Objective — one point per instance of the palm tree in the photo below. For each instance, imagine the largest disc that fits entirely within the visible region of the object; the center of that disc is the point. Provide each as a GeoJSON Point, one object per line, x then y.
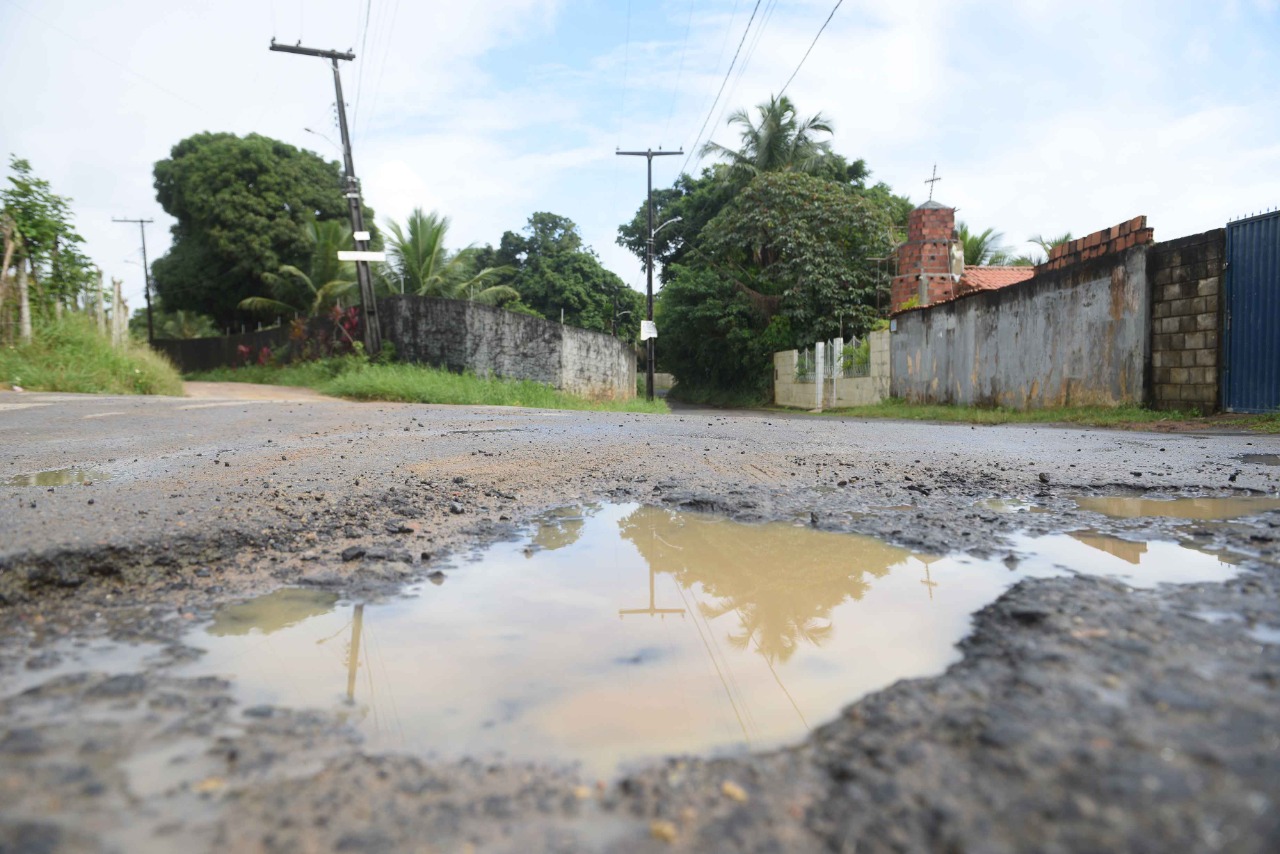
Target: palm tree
{"type": "Point", "coordinates": [337, 277]}
{"type": "Point", "coordinates": [983, 250]}
{"type": "Point", "coordinates": [419, 263]}
{"type": "Point", "coordinates": [779, 142]}
{"type": "Point", "coordinates": [1048, 243]}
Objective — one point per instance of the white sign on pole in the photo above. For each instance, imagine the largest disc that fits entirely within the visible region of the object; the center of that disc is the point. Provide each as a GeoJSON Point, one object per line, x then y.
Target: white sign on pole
{"type": "Point", "coordinates": [648, 329]}
{"type": "Point", "coordinates": [349, 255]}
{"type": "Point", "coordinates": [361, 235]}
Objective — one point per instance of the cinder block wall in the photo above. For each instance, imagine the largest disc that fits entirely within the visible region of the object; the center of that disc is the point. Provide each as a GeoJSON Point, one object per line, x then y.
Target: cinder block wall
{"type": "Point", "coordinates": [1186, 283]}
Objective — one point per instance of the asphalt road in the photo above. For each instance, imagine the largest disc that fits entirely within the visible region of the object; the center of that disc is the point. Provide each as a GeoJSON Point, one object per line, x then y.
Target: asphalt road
{"type": "Point", "coordinates": [195, 502]}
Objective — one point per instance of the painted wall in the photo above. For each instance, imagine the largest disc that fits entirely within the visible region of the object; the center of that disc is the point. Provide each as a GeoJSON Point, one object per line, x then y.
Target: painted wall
{"type": "Point", "coordinates": [461, 335]}
{"type": "Point", "coordinates": [1075, 335]}
{"type": "Point", "coordinates": [838, 392]}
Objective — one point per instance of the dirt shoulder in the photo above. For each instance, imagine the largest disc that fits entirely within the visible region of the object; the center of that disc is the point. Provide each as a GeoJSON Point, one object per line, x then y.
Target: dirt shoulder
{"type": "Point", "coordinates": [1084, 715]}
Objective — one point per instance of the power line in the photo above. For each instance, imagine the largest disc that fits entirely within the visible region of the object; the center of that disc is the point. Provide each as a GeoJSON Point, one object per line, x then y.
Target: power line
{"type": "Point", "coordinates": [811, 44]}
{"type": "Point", "coordinates": [364, 41]}
{"type": "Point", "coordinates": [732, 63]}
{"type": "Point", "coordinates": [746, 59]}
{"type": "Point", "coordinates": [679, 72]}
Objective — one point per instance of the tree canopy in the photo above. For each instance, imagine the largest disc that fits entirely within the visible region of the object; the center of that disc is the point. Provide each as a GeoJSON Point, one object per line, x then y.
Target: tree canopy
{"type": "Point", "coordinates": [243, 206]}
{"type": "Point", "coordinates": [45, 237]}
{"type": "Point", "coordinates": [553, 270]}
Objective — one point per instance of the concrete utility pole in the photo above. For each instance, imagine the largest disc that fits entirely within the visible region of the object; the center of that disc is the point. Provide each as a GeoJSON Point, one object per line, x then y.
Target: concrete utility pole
{"type": "Point", "coordinates": [649, 154]}
{"type": "Point", "coordinates": [372, 331]}
{"type": "Point", "coordinates": [146, 272]}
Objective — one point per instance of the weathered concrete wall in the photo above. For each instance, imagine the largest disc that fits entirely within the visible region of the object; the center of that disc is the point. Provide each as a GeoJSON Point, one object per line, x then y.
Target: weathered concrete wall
{"type": "Point", "coordinates": [838, 392]}
{"type": "Point", "coordinates": [1076, 335]}
{"type": "Point", "coordinates": [461, 335]}
{"type": "Point", "coordinates": [1186, 281]}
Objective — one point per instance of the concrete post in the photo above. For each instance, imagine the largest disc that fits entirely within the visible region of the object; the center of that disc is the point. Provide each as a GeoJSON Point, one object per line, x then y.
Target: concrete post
{"type": "Point", "coordinates": [819, 357]}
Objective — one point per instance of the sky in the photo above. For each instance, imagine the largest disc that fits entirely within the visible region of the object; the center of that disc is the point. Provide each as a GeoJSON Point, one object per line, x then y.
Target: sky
{"type": "Point", "coordinates": [1043, 116]}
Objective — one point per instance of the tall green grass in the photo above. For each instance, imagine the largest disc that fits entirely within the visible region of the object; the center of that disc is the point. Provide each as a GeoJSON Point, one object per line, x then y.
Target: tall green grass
{"type": "Point", "coordinates": [68, 354]}
{"type": "Point", "coordinates": [355, 379]}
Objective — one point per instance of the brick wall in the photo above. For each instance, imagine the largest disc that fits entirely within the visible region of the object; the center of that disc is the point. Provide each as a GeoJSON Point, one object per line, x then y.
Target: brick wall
{"type": "Point", "coordinates": [927, 250]}
{"type": "Point", "coordinates": [1117, 238]}
{"type": "Point", "coordinates": [1186, 283]}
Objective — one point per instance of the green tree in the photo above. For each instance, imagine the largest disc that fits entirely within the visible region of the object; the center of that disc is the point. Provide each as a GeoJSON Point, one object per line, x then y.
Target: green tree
{"type": "Point", "coordinates": [779, 141]}
{"type": "Point", "coordinates": [982, 250]}
{"type": "Point", "coordinates": [243, 206]}
{"type": "Point", "coordinates": [553, 271]}
{"type": "Point", "coordinates": [804, 246]}
{"type": "Point", "coordinates": [420, 263]}
{"type": "Point", "coordinates": [326, 283]}
{"type": "Point", "coordinates": [46, 247]}
{"type": "Point", "coordinates": [687, 206]}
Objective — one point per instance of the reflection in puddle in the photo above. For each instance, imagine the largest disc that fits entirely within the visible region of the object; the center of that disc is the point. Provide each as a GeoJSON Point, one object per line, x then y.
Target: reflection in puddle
{"type": "Point", "coordinates": [1176, 508]}
{"type": "Point", "coordinates": [1011, 505]}
{"type": "Point", "coordinates": [645, 632]}
{"type": "Point", "coordinates": [56, 477]}
{"type": "Point", "coordinates": [1261, 459]}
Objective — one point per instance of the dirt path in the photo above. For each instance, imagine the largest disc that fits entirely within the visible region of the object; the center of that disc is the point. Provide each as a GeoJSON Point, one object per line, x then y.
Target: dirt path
{"type": "Point", "coordinates": [249, 391]}
{"type": "Point", "coordinates": [1084, 715]}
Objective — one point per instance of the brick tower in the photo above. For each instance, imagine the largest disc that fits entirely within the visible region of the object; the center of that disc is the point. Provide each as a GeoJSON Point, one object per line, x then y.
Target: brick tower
{"type": "Point", "coordinates": [926, 267]}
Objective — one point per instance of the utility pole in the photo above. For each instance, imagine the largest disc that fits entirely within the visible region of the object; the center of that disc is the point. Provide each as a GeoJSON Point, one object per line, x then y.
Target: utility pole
{"type": "Point", "coordinates": [146, 272]}
{"type": "Point", "coordinates": [649, 154]}
{"type": "Point", "coordinates": [372, 330]}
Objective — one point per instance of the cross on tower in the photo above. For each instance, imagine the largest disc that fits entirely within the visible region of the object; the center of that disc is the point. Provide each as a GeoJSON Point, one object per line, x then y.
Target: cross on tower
{"type": "Point", "coordinates": [931, 181]}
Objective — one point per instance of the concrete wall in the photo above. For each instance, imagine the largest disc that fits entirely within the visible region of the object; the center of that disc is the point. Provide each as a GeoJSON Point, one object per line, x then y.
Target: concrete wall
{"type": "Point", "coordinates": [1074, 335]}
{"type": "Point", "coordinates": [838, 392]}
{"type": "Point", "coordinates": [461, 335]}
{"type": "Point", "coordinates": [1186, 283]}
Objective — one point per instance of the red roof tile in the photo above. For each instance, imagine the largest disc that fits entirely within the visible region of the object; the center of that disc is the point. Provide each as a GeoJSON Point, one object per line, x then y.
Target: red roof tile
{"type": "Point", "coordinates": [993, 278]}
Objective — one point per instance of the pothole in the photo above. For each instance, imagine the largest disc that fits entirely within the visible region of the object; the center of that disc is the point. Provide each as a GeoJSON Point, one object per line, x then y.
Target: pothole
{"type": "Point", "coordinates": [628, 632]}
{"type": "Point", "coordinates": [56, 477]}
{"type": "Point", "coordinates": [1202, 509]}
{"type": "Point", "coordinates": [622, 632]}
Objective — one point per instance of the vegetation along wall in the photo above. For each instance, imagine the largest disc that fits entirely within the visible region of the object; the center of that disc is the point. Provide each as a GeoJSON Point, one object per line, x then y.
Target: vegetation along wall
{"type": "Point", "coordinates": [1076, 334]}
{"type": "Point", "coordinates": [462, 335]}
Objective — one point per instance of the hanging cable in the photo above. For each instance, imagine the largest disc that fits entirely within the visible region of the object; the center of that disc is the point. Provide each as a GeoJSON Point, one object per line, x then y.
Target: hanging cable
{"type": "Point", "coordinates": [734, 62]}
{"type": "Point", "coordinates": [811, 44]}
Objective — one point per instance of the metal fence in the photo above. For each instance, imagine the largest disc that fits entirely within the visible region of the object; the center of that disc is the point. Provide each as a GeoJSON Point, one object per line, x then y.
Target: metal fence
{"type": "Point", "coordinates": [805, 366]}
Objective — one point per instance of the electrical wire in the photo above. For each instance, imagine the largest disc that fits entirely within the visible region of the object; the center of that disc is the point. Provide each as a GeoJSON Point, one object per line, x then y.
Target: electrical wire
{"type": "Point", "coordinates": [811, 44]}
{"type": "Point", "coordinates": [364, 41]}
{"type": "Point", "coordinates": [732, 63]}
{"type": "Point", "coordinates": [679, 72]}
{"type": "Point", "coordinates": [382, 67]}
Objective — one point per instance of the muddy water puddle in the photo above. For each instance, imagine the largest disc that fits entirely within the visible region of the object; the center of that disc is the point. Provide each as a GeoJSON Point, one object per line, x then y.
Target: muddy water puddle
{"type": "Point", "coordinates": [1202, 509]}
{"type": "Point", "coordinates": [625, 632]}
{"type": "Point", "coordinates": [56, 477]}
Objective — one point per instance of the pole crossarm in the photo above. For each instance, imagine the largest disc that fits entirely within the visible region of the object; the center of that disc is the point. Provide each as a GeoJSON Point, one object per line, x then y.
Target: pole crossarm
{"type": "Point", "coordinates": [311, 51]}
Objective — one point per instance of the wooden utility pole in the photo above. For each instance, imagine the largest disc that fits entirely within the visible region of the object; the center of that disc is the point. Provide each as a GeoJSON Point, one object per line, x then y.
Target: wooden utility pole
{"type": "Point", "coordinates": [649, 154]}
{"type": "Point", "coordinates": [372, 330]}
{"type": "Point", "coordinates": [146, 272]}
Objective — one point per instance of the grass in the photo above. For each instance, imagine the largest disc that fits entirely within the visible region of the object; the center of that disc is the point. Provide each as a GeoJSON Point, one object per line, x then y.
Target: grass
{"type": "Point", "coordinates": [68, 354]}
{"type": "Point", "coordinates": [355, 379]}
{"type": "Point", "coordinates": [1092, 416]}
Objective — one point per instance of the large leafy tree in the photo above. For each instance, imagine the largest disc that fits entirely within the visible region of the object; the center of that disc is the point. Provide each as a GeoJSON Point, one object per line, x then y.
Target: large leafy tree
{"type": "Point", "coordinates": [553, 271]}
{"type": "Point", "coordinates": [243, 206]}
{"type": "Point", "coordinates": [804, 246]}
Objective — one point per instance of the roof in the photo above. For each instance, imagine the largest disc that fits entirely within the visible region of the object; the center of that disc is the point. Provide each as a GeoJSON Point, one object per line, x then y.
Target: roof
{"type": "Point", "coordinates": [994, 278]}
{"type": "Point", "coordinates": [931, 205]}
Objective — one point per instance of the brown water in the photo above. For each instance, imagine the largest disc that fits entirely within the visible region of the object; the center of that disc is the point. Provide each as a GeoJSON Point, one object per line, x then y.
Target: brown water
{"type": "Point", "coordinates": [1203, 509]}
{"type": "Point", "coordinates": [56, 477]}
{"type": "Point", "coordinates": [624, 632]}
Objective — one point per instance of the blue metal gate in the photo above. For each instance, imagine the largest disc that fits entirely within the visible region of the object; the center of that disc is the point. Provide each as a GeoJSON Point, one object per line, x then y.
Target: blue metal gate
{"type": "Point", "coordinates": [1251, 364]}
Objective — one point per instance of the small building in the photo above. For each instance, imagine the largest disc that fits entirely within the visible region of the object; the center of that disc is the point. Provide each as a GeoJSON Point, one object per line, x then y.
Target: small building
{"type": "Point", "coordinates": [931, 266]}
